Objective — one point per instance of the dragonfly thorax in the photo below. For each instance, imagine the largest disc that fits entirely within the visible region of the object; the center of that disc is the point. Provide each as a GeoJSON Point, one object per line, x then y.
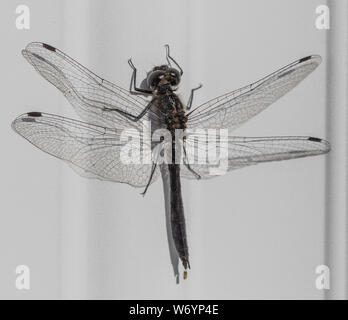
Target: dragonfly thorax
{"type": "Point", "coordinates": [171, 109]}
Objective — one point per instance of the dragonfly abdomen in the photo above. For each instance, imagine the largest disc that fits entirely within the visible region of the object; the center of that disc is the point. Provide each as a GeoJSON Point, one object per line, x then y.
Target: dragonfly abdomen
{"type": "Point", "coordinates": [177, 215]}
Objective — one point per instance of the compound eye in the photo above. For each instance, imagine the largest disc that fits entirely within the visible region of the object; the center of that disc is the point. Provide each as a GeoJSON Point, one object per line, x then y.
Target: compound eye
{"type": "Point", "coordinates": [155, 82]}
{"type": "Point", "coordinates": [175, 76]}
{"type": "Point", "coordinates": [173, 80]}
{"type": "Point", "coordinates": [154, 78]}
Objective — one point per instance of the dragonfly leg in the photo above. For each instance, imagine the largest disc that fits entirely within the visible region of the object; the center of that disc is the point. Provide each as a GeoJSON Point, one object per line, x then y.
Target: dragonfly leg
{"type": "Point", "coordinates": [190, 100]}
{"type": "Point", "coordinates": [187, 165]}
{"type": "Point", "coordinates": [170, 58]}
{"type": "Point", "coordinates": [129, 115]}
{"type": "Point", "coordinates": [134, 80]}
{"type": "Point", "coordinates": [193, 171]}
{"type": "Point", "coordinates": [154, 165]}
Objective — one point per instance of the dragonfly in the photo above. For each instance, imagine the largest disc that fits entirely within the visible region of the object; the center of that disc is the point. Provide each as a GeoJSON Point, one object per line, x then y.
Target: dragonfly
{"type": "Point", "coordinates": [94, 147]}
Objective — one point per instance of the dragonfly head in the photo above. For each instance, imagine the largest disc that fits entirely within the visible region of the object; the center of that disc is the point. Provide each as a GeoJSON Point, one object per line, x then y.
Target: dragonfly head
{"type": "Point", "coordinates": [163, 75]}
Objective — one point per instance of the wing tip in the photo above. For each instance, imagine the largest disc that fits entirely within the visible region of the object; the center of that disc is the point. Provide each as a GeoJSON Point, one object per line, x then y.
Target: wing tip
{"type": "Point", "coordinates": [325, 145]}
{"type": "Point", "coordinates": [30, 47]}
{"type": "Point", "coordinates": [26, 117]}
{"type": "Point", "coordinates": [313, 58]}
{"type": "Point", "coordinates": [25, 52]}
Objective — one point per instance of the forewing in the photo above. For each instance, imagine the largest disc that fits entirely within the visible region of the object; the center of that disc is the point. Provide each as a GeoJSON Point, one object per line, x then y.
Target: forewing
{"type": "Point", "coordinates": [93, 151]}
{"type": "Point", "coordinates": [95, 100]}
{"type": "Point", "coordinates": [234, 108]}
{"type": "Point", "coordinates": [238, 152]}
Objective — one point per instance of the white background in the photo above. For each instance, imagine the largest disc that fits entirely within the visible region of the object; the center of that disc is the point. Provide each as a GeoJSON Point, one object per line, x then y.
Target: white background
{"type": "Point", "coordinates": [254, 233]}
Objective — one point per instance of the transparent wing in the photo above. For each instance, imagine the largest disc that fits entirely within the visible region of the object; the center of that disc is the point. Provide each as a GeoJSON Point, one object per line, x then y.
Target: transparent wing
{"type": "Point", "coordinates": [234, 108]}
{"type": "Point", "coordinates": [238, 152]}
{"type": "Point", "coordinates": [93, 151]}
{"type": "Point", "coordinates": [95, 100]}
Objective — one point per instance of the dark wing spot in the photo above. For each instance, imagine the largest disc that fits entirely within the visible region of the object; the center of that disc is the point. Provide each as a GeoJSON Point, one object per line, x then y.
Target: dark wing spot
{"type": "Point", "coordinates": [34, 114]}
{"type": "Point", "coordinates": [314, 139]}
{"type": "Point", "coordinates": [48, 47]}
{"type": "Point", "coordinates": [305, 59]}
